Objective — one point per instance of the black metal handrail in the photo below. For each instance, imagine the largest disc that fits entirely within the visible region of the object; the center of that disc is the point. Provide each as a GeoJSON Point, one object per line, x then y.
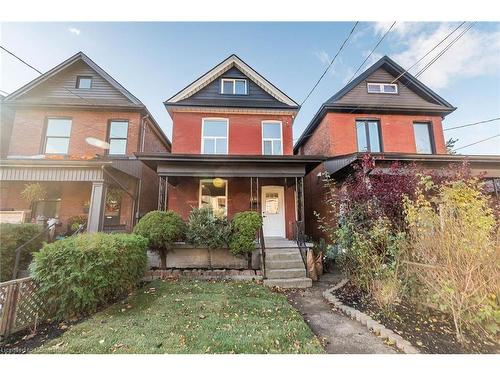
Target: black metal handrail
{"type": "Point", "coordinates": [262, 251]}
{"type": "Point", "coordinates": [301, 241]}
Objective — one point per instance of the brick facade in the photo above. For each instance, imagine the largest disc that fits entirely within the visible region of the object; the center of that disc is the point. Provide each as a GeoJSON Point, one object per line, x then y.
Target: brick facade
{"type": "Point", "coordinates": [28, 132]}
{"type": "Point", "coordinates": [245, 132]}
{"type": "Point", "coordinates": [336, 134]}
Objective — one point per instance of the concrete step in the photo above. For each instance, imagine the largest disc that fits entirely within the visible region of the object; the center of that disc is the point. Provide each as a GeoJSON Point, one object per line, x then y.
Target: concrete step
{"type": "Point", "coordinates": [297, 283]}
{"type": "Point", "coordinates": [283, 256]}
{"type": "Point", "coordinates": [282, 264]}
{"type": "Point", "coordinates": [290, 273]}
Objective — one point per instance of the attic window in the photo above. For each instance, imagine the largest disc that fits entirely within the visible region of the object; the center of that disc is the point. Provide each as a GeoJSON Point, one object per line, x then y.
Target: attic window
{"type": "Point", "coordinates": [382, 88]}
{"type": "Point", "coordinates": [83, 82]}
{"type": "Point", "coordinates": [233, 86]}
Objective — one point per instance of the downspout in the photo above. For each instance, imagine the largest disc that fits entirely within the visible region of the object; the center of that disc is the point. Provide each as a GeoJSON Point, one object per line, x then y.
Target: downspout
{"type": "Point", "coordinates": [141, 149]}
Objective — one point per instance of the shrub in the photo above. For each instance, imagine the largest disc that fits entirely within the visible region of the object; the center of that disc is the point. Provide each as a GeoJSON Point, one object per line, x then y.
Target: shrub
{"type": "Point", "coordinates": [79, 274]}
{"type": "Point", "coordinates": [370, 255]}
{"type": "Point", "coordinates": [207, 230]}
{"type": "Point", "coordinates": [245, 226]}
{"type": "Point", "coordinates": [11, 237]}
{"type": "Point", "coordinates": [162, 229]}
{"type": "Point", "coordinates": [74, 222]}
{"type": "Point", "coordinates": [454, 252]}
{"type": "Point", "coordinates": [33, 192]}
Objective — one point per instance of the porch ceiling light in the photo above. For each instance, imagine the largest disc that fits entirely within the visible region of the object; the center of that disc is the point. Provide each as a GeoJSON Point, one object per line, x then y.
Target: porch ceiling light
{"type": "Point", "coordinates": [218, 182]}
{"type": "Point", "coordinates": [97, 142]}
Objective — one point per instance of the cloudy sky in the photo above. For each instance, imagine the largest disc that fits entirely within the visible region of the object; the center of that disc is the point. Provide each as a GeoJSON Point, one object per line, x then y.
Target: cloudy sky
{"type": "Point", "coordinates": [155, 60]}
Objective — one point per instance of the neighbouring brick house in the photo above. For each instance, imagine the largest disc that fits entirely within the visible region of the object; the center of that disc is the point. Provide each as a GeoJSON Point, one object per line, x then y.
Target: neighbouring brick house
{"type": "Point", "coordinates": [388, 113]}
{"type": "Point", "coordinates": [75, 131]}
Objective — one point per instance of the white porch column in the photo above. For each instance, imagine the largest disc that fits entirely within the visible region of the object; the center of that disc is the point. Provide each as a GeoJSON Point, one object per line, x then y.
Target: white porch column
{"type": "Point", "coordinates": [96, 209]}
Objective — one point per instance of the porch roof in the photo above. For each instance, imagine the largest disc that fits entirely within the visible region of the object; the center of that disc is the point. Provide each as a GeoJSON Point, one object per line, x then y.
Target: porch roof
{"type": "Point", "coordinates": [51, 170]}
{"type": "Point", "coordinates": [487, 164]}
{"type": "Point", "coordinates": [202, 165]}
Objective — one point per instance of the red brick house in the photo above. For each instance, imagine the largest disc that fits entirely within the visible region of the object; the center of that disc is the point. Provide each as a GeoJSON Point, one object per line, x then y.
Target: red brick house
{"type": "Point", "coordinates": [75, 131]}
{"type": "Point", "coordinates": [388, 113]}
{"type": "Point", "coordinates": [232, 150]}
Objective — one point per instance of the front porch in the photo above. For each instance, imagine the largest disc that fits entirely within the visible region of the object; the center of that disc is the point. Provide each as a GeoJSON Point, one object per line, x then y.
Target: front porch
{"type": "Point", "coordinates": [270, 185]}
{"type": "Point", "coordinates": [92, 193]}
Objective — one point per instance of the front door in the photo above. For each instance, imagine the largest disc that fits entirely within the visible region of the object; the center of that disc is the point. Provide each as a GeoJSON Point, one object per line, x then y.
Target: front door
{"type": "Point", "coordinates": [273, 211]}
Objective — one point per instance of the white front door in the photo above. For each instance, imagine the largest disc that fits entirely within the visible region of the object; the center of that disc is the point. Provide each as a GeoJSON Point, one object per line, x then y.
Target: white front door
{"type": "Point", "coordinates": [273, 211]}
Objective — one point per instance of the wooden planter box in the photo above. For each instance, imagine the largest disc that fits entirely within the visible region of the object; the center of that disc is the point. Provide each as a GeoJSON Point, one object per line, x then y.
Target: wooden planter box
{"type": "Point", "coordinates": [189, 256]}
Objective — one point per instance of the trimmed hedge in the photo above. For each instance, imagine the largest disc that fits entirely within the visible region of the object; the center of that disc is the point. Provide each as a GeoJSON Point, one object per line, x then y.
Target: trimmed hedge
{"type": "Point", "coordinates": [79, 274]}
{"type": "Point", "coordinates": [11, 237]}
{"type": "Point", "coordinates": [162, 229]}
{"type": "Point", "coordinates": [245, 226]}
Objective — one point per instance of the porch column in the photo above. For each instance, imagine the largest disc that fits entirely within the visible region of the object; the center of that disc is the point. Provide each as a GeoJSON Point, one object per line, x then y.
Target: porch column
{"type": "Point", "coordinates": [162, 193]}
{"type": "Point", "coordinates": [96, 209]}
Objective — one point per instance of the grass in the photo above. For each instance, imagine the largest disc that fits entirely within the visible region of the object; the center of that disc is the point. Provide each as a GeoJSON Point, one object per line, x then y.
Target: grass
{"type": "Point", "coordinates": [192, 317]}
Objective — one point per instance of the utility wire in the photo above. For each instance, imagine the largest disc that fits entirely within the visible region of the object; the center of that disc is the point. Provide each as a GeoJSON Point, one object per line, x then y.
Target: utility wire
{"type": "Point", "coordinates": [443, 51]}
{"type": "Point", "coordinates": [373, 50]}
{"type": "Point", "coordinates": [39, 72]}
{"type": "Point", "coordinates": [472, 124]}
{"type": "Point", "coordinates": [475, 143]}
{"type": "Point", "coordinates": [424, 56]}
{"type": "Point", "coordinates": [17, 57]}
{"type": "Point", "coordinates": [330, 64]}
{"type": "Point", "coordinates": [5, 92]}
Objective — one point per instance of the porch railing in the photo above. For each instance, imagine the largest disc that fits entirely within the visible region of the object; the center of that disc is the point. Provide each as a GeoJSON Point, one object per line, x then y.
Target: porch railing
{"type": "Point", "coordinates": [262, 244]}
{"type": "Point", "coordinates": [300, 237]}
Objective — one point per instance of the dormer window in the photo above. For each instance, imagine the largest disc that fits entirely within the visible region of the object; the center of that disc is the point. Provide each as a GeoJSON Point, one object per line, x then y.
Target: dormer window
{"type": "Point", "coordinates": [231, 86]}
{"type": "Point", "coordinates": [382, 88]}
{"type": "Point", "coordinates": [83, 82]}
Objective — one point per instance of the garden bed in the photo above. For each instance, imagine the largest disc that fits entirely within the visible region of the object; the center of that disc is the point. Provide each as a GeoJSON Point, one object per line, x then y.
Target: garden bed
{"type": "Point", "coordinates": [428, 330]}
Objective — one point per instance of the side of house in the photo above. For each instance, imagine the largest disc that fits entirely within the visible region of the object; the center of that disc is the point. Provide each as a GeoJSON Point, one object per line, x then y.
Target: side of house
{"type": "Point", "coordinates": [385, 112]}
{"type": "Point", "coordinates": [75, 130]}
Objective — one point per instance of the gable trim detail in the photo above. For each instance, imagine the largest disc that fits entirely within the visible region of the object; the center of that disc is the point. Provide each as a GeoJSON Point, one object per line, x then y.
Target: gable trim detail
{"type": "Point", "coordinates": [224, 66]}
{"type": "Point", "coordinates": [65, 64]}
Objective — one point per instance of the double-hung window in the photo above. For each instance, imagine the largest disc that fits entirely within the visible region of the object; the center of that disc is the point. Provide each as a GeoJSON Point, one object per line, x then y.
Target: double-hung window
{"type": "Point", "coordinates": [423, 139]}
{"type": "Point", "coordinates": [214, 136]}
{"type": "Point", "coordinates": [233, 86]}
{"type": "Point", "coordinates": [117, 139]}
{"type": "Point", "coordinates": [57, 136]}
{"type": "Point", "coordinates": [368, 136]}
{"type": "Point", "coordinates": [272, 138]}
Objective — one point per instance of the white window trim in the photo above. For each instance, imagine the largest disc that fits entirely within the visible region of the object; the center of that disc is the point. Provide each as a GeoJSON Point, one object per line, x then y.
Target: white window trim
{"type": "Point", "coordinates": [212, 137]}
{"type": "Point", "coordinates": [233, 80]}
{"type": "Point", "coordinates": [109, 136]}
{"type": "Point", "coordinates": [272, 139]}
{"type": "Point", "coordinates": [202, 180]}
{"type": "Point", "coordinates": [381, 85]}
{"type": "Point", "coordinates": [46, 137]}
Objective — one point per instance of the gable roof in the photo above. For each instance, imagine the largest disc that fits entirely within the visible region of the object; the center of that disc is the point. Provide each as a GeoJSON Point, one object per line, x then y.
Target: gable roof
{"type": "Point", "coordinates": [80, 56]}
{"type": "Point", "coordinates": [233, 61]}
{"type": "Point", "coordinates": [425, 100]}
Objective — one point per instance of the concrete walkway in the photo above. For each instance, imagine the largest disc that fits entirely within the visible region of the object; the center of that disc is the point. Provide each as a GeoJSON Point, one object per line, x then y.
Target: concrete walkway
{"type": "Point", "coordinates": [341, 334]}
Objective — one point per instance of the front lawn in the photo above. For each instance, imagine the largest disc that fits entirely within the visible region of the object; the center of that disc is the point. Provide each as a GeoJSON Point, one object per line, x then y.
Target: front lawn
{"type": "Point", "coordinates": [192, 317]}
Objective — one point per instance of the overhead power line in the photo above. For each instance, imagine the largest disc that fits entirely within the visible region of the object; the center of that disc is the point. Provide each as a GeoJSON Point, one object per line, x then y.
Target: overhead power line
{"type": "Point", "coordinates": [24, 62]}
{"type": "Point", "coordinates": [373, 50]}
{"type": "Point", "coordinates": [475, 143]}
{"type": "Point", "coordinates": [433, 60]}
{"type": "Point", "coordinates": [39, 72]}
{"type": "Point", "coordinates": [424, 56]}
{"type": "Point", "coordinates": [5, 92]}
{"type": "Point", "coordinates": [472, 124]}
{"type": "Point", "coordinates": [331, 63]}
